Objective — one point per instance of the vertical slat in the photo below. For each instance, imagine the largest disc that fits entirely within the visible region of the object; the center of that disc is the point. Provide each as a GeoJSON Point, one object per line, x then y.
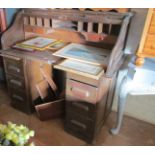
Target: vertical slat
{"type": "Point", "coordinates": [80, 26]}
{"type": "Point", "coordinates": [26, 20]}
{"type": "Point", "coordinates": [90, 27]}
{"type": "Point", "coordinates": [32, 21]}
{"type": "Point", "coordinates": [39, 22]}
{"type": "Point", "coordinates": [100, 27]}
{"type": "Point", "coordinates": [46, 22]}
{"type": "Point", "coordinates": [110, 27]}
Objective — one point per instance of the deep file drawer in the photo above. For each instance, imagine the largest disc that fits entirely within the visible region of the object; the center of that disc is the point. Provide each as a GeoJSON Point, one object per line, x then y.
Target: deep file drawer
{"type": "Point", "coordinates": [13, 65]}
{"type": "Point", "coordinates": [79, 125]}
{"type": "Point", "coordinates": [19, 100]}
{"type": "Point", "coordinates": [15, 82]}
{"type": "Point", "coordinates": [81, 91]}
{"type": "Point", "coordinates": [87, 110]}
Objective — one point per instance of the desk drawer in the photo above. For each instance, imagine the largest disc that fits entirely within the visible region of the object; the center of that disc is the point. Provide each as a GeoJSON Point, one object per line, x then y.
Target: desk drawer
{"type": "Point", "coordinates": [19, 100]}
{"type": "Point", "coordinates": [18, 96]}
{"type": "Point", "coordinates": [79, 125]}
{"type": "Point", "coordinates": [13, 65]}
{"type": "Point", "coordinates": [15, 82]}
{"type": "Point", "coordinates": [81, 91]}
{"type": "Point", "coordinates": [82, 108]}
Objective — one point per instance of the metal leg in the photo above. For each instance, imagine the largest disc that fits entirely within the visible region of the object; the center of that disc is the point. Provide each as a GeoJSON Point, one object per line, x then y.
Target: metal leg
{"type": "Point", "coordinates": [124, 90]}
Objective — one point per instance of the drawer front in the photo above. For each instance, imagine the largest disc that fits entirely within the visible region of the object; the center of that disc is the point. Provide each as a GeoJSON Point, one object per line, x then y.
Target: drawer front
{"type": "Point", "coordinates": [81, 91]}
{"type": "Point", "coordinates": [149, 47]}
{"type": "Point", "coordinates": [85, 109]}
{"type": "Point", "coordinates": [19, 100]}
{"type": "Point", "coordinates": [14, 65]}
{"type": "Point", "coordinates": [79, 125]}
{"type": "Point", "coordinates": [15, 82]}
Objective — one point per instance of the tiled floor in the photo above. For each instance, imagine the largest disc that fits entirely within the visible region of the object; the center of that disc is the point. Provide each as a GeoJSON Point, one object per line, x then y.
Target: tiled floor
{"type": "Point", "coordinates": [133, 132]}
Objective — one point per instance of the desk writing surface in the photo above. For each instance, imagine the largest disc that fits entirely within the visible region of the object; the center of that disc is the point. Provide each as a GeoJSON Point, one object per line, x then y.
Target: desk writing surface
{"type": "Point", "coordinates": [42, 56]}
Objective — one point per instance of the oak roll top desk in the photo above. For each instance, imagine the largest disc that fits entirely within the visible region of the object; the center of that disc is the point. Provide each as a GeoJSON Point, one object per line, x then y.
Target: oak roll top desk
{"type": "Point", "coordinates": [88, 100]}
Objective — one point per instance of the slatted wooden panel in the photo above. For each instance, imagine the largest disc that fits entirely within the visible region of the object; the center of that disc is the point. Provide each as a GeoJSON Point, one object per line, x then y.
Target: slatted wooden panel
{"type": "Point", "coordinates": [52, 23]}
{"type": "Point", "coordinates": [91, 26]}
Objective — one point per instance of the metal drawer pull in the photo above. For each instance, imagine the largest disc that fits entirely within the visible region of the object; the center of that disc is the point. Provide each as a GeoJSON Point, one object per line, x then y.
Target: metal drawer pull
{"type": "Point", "coordinates": [14, 68]}
{"type": "Point", "coordinates": [17, 97]}
{"type": "Point", "coordinates": [81, 106]}
{"type": "Point", "coordinates": [16, 82]}
{"type": "Point", "coordinates": [80, 92]}
{"type": "Point", "coordinates": [78, 124]}
{"type": "Point", "coordinates": [10, 57]}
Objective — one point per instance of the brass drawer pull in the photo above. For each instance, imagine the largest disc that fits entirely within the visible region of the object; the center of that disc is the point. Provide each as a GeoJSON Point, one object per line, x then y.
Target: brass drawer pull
{"type": "Point", "coordinates": [15, 82]}
{"type": "Point", "coordinates": [80, 92]}
{"type": "Point", "coordinates": [14, 68]}
{"type": "Point", "coordinates": [77, 123]}
{"type": "Point", "coordinates": [17, 97]}
{"type": "Point", "coordinates": [10, 57]}
{"type": "Point", "coordinates": [80, 106]}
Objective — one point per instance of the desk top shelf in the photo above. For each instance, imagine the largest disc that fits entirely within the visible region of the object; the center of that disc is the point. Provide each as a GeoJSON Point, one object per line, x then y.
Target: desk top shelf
{"type": "Point", "coordinates": [105, 30]}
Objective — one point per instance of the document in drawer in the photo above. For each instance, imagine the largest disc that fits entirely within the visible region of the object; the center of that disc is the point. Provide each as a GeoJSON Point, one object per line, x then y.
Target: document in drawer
{"type": "Point", "coordinates": [81, 68]}
{"type": "Point", "coordinates": [83, 53]}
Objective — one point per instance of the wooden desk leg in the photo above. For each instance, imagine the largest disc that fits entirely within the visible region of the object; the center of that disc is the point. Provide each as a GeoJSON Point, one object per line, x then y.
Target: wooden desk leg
{"type": "Point", "coordinates": [140, 61]}
{"type": "Point", "coordinates": [124, 91]}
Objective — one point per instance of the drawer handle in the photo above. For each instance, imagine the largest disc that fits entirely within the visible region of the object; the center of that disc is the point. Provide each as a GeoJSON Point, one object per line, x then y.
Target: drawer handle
{"type": "Point", "coordinates": [77, 123]}
{"type": "Point", "coordinates": [16, 82]}
{"type": "Point", "coordinates": [14, 68]}
{"type": "Point", "coordinates": [17, 97]}
{"type": "Point", "coordinates": [10, 57]}
{"type": "Point", "coordinates": [80, 92]}
{"type": "Point", "coordinates": [81, 106]}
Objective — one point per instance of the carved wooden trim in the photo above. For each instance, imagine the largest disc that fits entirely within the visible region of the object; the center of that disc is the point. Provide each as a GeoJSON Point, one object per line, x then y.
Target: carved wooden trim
{"type": "Point", "coordinates": [15, 33]}
{"type": "Point", "coordinates": [117, 51]}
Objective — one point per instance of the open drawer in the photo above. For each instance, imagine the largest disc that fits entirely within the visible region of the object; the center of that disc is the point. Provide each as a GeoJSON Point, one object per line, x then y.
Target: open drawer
{"type": "Point", "coordinates": [81, 68]}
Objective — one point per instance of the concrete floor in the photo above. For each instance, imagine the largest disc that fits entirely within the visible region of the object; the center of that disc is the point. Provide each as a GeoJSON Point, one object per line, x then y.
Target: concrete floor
{"type": "Point", "coordinates": [133, 132]}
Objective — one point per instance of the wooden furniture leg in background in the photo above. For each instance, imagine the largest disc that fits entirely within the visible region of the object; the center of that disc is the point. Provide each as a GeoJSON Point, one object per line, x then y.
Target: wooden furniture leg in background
{"type": "Point", "coordinates": [139, 61]}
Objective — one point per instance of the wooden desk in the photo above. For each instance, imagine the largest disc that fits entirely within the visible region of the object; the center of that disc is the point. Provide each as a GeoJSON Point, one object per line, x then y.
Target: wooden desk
{"type": "Point", "coordinates": [85, 115]}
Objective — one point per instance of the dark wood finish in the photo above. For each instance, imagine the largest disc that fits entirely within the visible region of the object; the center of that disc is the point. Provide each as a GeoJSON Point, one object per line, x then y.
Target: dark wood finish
{"type": "Point", "coordinates": [88, 100]}
{"type": "Point", "coordinates": [15, 69]}
{"type": "Point", "coordinates": [50, 110]}
{"type": "Point", "coordinates": [83, 113]}
{"type": "Point", "coordinates": [15, 82]}
{"type": "Point", "coordinates": [14, 65]}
